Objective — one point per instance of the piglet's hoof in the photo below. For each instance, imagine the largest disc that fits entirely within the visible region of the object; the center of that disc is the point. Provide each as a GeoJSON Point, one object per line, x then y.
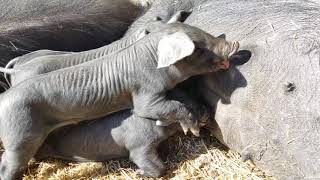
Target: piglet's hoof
{"type": "Point", "coordinates": [195, 131]}
{"type": "Point", "coordinates": [162, 123]}
{"type": "Point", "coordinates": [194, 128]}
{"type": "Point", "coordinates": [140, 172]}
{"type": "Point", "coordinates": [151, 174]}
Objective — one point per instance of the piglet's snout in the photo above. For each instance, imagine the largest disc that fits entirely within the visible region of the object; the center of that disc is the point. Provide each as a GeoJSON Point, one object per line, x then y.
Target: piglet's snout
{"type": "Point", "coordinates": [225, 64]}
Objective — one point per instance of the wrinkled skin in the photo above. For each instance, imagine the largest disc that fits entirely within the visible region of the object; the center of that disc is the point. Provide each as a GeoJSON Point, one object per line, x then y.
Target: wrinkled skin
{"type": "Point", "coordinates": [122, 135]}
{"type": "Point", "coordinates": [30, 25]}
{"type": "Point", "coordinates": [268, 109]}
{"type": "Point", "coordinates": [32, 109]}
{"type": "Point", "coordinates": [38, 62]}
{"type": "Point", "coordinates": [24, 59]}
{"type": "Point", "coordinates": [61, 25]}
{"type": "Point", "coordinates": [248, 21]}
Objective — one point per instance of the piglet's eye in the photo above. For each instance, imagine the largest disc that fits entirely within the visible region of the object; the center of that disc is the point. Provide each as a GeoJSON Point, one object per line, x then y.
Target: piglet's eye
{"type": "Point", "coordinates": [201, 50]}
{"type": "Point", "coordinates": [197, 49]}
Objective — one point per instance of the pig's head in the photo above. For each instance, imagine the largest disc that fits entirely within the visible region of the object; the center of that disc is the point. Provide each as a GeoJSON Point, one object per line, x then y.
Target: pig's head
{"type": "Point", "coordinates": [189, 51]}
{"type": "Point", "coordinates": [157, 24]}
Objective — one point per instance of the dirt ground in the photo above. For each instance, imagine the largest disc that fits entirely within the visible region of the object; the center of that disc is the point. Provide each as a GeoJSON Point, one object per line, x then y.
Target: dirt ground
{"type": "Point", "coordinates": [186, 158]}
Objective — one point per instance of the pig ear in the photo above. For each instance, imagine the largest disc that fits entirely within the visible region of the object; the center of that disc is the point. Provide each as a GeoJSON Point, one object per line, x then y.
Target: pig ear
{"type": "Point", "coordinates": [174, 47]}
{"type": "Point", "coordinates": [223, 36]}
{"type": "Point", "coordinates": [142, 34]}
{"type": "Point", "coordinates": [179, 16]}
{"type": "Point", "coordinates": [157, 18]}
{"type": "Point", "coordinates": [234, 48]}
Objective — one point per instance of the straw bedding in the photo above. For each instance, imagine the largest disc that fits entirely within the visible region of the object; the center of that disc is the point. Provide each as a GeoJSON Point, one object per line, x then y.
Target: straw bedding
{"type": "Point", "coordinates": [186, 157]}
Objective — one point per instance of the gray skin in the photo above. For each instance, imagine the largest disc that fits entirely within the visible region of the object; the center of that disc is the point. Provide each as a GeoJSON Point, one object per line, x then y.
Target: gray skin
{"type": "Point", "coordinates": [25, 58]}
{"type": "Point", "coordinates": [138, 76]}
{"type": "Point", "coordinates": [268, 109]}
{"type": "Point", "coordinates": [29, 25]}
{"type": "Point", "coordinates": [22, 59]}
{"type": "Point", "coordinates": [43, 61]}
{"type": "Point", "coordinates": [61, 25]}
{"type": "Point", "coordinates": [120, 135]}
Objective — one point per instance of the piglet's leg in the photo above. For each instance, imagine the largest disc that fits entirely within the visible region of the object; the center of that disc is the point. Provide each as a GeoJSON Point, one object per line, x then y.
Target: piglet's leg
{"type": "Point", "coordinates": [169, 111]}
{"type": "Point", "coordinates": [201, 111]}
{"type": "Point", "coordinates": [16, 157]}
{"type": "Point", "coordinates": [22, 133]}
{"type": "Point", "coordinates": [148, 161]}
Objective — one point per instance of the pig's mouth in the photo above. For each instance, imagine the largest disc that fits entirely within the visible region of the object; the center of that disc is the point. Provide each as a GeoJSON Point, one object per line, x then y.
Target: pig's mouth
{"type": "Point", "coordinates": [225, 64]}
{"type": "Point", "coordinates": [222, 65]}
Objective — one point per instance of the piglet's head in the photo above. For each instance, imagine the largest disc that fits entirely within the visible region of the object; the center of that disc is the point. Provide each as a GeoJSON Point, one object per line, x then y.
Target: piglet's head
{"type": "Point", "coordinates": [193, 51]}
{"type": "Point", "coordinates": [223, 50]}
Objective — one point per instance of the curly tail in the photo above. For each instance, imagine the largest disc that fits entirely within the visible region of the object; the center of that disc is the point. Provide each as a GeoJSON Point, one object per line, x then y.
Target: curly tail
{"type": "Point", "coordinates": [7, 71]}
{"type": "Point", "coordinates": [11, 63]}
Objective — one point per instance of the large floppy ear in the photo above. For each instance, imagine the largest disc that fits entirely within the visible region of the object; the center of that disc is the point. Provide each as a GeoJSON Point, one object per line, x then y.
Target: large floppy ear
{"type": "Point", "coordinates": [173, 48]}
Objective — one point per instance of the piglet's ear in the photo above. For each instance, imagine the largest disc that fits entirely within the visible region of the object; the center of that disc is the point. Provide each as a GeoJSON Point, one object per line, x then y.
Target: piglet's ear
{"type": "Point", "coordinates": [179, 16]}
{"type": "Point", "coordinates": [234, 48]}
{"type": "Point", "coordinates": [223, 36]}
{"type": "Point", "coordinates": [142, 34]}
{"type": "Point", "coordinates": [173, 48]}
